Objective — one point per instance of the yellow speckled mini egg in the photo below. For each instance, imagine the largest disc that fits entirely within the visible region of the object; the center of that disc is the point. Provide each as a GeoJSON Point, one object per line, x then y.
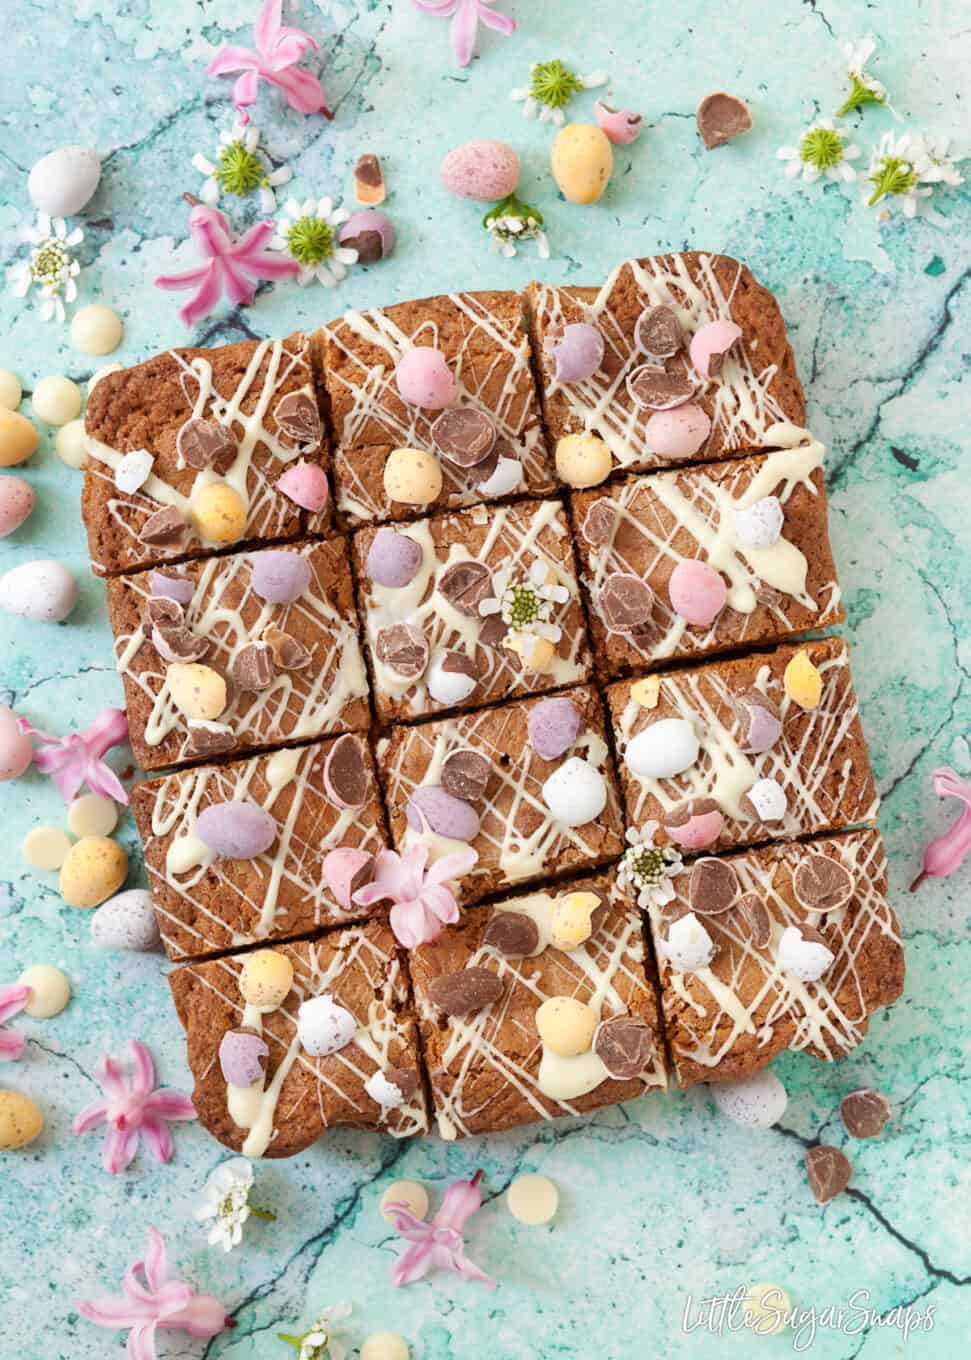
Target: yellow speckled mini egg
{"type": "Point", "coordinates": [803, 682]}
{"type": "Point", "coordinates": [94, 870]}
{"type": "Point", "coordinates": [646, 692]}
{"type": "Point", "coordinates": [18, 438]}
{"type": "Point", "coordinates": [196, 690]}
{"type": "Point", "coordinates": [582, 460]}
{"type": "Point", "coordinates": [20, 1120]}
{"type": "Point", "coordinates": [582, 161]}
{"type": "Point", "coordinates": [219, 513]}
{"type": "Point", "coordinates": [536, 654]}
{"type": "Point", "coordinates": [412, 477]}
{"type": "Point", "coordinates": [566, 1026]}
{"type": "Point", "coordinates": [266, 979]}
{"type": "Point", "coordinates": [571, 920]}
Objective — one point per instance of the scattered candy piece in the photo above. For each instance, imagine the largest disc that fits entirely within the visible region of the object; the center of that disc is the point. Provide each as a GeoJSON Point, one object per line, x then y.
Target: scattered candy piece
{"type": "Point", "coordinates": [864, 1112]}
{"type": "Point", "coordinates": [470, 989]}
{"type": "Point", "coordinates": [506, 478]}
{"type": "Point", "coordinates": [713, 886]}
{"type": "Point", "coordinates": [403, 649]}
{"type": "Point", "coordinates": [93, 870]}
{"type": "Point", "coordinates": [553, 726]}
{"type": "Point", "coordinates": [390, 1089]}
{"type": "Point", "coordinates": [464, 435]}
{"type": "Point", "coordinates": [64, 181]}
{"type": "Point", "coordinates": [50, 990]}
{"type": "Point", "coordinates": [178, 588]}
{"type": "Point", "coordinates": [345, 870]}
{"type": "Point", "coordinates": [625, 1046]}
{"type": "Point", "coordinates": [46, 848]}
{"type": "Point", "coordinates": [20, 1121]}
{"type": "Point", "coordinates": [821, 883]}
{"type": "Point", "coordinates": [766, 1306]}
{"type": "Point", "coordinates": [946, 853]}
{"type": "Point", "coordinates": [576, 793]}
{"type": "Point", "coordinates": [197, 691]}
{"type": "Point", "coordinates": [646, 692]}
{"type": "Point", "coordinates": [18, 438]}
{"type": "Point", "coordinates": [581, 160]}
{"type": "Point", "coordinates": [447, 816]}
{"type": "Point", "coordinates": [577, 352]}
{"type": "Point", "coordinates": [237, 829]}
{"type": "Point", "coordinates": [164, 527]}
{"type": "Point", "coordinates": [393, 559]}
{"type": "Point", "coordinates": [512, 934]}
{"type": "Point", "coordinates": [621, 126]}
{"type": "Point", "coordinates": [829, 1172]}
{"type": "Point", "coordinates": [689, 946]}
{"type": "Point", "coordinates": [663, 749]}
{"type": "Point", "coordinates": [582, 460]}
{"type": "Point", "coordinates": [70, 445]}
{"type": "Point", "coordinates": [760, 525]}
{"type": "Point", "coordinates": [755, 1102]}
{"type": "Point", "coordinates": [566, 1026]}
{"type": "Point", "coordinates": [280, 577]}
{"type": "Point", "coordinates": [16, 751]}
{"type": "Point", "coordinates": [412, 477]}
{"type": "Point", "coordinates": [96, 329]}
{"type": "Point", "coordinates": [242, 1055]}
{"type": "Point", "coordinates": [465, 585]}
{"type": "Point", "coordinates": [756, 916]}
{"type": "Point", "coordinates": [127, 921]}
{"type": "Point", "coordinates": [709, 345]}
{"type": "Point", "coordinates": [679, 433]}
{"type": "Point", "coordinates": [370, 233]}
{"type": "Point", "coordinates": [626, 602]}
{"type": "Point", "coordinates": [219, 513]}
{"type": "Point", "coordinates": [423, 378]}
{"type": "Point", "coordinates": [11, 392]}
{"type": "Point", "coordinates": [571, 919]}
{"type": "Point", "coordinates": [410, 1193]}
{"type": "Point", "coordinates": [695, 824]}
{"type": "Point", "coordinates": [385, 1346]}
{"type": "Point", "coordinates": [134, 470]}
{"type": "Point", "coordinates": [265, 979]}
{"type": "Point", "coordinates": [600, 522]}
{"type": "Point", "coordinates": [484, 170]}
{"type": "Point", "coordinates": [465, 774]}
{"type": "Point", "coordinates": [16, 504]}
{"type": "Point", "coordinates": [657, 389]}
{"type": "Point", "coordinates": [346, 778]}
{"type": "Point", "coordinates": [324, 1026]}
{"type": "Point", "coordinates": [720, 117]}
{"type": "Point", "coordinates": [697, 592]}
{"type": "Point", "coordinates": [760, 721]}
{"type": "Point", "coordinates": [765, 801]}
{"type": "Point", "coordinates": [92, 815]}
{"type": "Point", "coordinates": [202, 444]}
{"type": "Point", "coordinates": [803, 682]}
{"type": "Point", "coordinates": [439, 1243]}
{"type": "Point", "coordinates": [533, 1200]}
{"type": "Point", "coordinates": [56, 400]}
{"type": "Point", "coordinates": [804, 957]}
{"type": "Point", "coordinates": [452, 678]}
{"type": "Point", "coordinates": [306, 485]}
{"type": "Point", "coordinates": [368, 180]}
{"type": "Point", "coordinates": [658, 334]}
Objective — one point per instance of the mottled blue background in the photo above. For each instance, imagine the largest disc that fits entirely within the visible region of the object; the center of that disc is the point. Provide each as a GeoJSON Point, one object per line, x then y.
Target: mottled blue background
{"type": "Point", "coordinates": [662, 1199]}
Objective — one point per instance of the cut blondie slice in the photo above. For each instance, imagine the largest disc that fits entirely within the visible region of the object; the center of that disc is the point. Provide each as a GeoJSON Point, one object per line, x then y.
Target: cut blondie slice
{"type": "Point", "coordinates": [468, 609]}
{"type": "Point", "coordinates": [236, 653]}
{"type": "Point", "coordinates": [235, 852]}
{"type": "Point", "coordinates": [536, 1007]}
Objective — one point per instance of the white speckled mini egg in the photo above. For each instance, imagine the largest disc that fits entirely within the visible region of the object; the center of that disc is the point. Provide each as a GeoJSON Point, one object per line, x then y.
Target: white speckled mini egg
{"type": "Point", "coordinates": [663, 749]}
{"type": "Point", "coordinates": [126, 921]}
{"type": "Point", "coordinates": [576, 793]}
{"type": "Point", "coordinates": [63, 182]}
{"type": "Point", "coordinates": [43, 591]}
{"type": "Point", "coordinates": [755, 1102]}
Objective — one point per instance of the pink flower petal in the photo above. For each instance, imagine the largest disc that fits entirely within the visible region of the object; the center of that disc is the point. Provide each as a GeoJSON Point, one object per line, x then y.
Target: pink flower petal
{"type": "Point", "coordinates": [303, 90]}
{"type": "Point", "coordinates": [141, 1342]}
{"type": "Point", "coordinates": [119, 1149]}
{"type": "Point", "coordinates": [455, 865]}
{"type": "Point", "coordinates": [205, 299]}
{"type": "Point", "coordinates": [112, 1311]}
{"type": "Point", "coordinates": [11, 1046]}
{"type": "Point", "coordinates": [112, 1079]}
{"type": "Point", "coordinates": [90, 1117]}
{"type": "Point", "coordinates": [413, 1265]}
{"type": "Point", "coordinates": [463, 30]}
{"type": "Point", "coordinates": [144, 1069]}
{"type": "Point", "coordinates": [946, 853]}
{"type": "Point", "coordinates": [13, 998]}
{"type": "Point", "coordinates": [237, 286]}
{"type": "Point", "coordinates": [167, 1104]}
{"type": "Point", "coordinates": [499, 23]}
{"type": "Point", "coordinates": [192, 277]}
{"type": "Point", "coordinates": [230, 59]}
{"type": "Point", "coordinates": [462, 1200]}
{"type": "Point", "coordinates": [158, 1138]}
{"type": "Point", "coordinates": [266, 27]}
{"type": "Point", "coordinates": [441, 9]}
{"type": "Point", "coordinates": [468, 1270]}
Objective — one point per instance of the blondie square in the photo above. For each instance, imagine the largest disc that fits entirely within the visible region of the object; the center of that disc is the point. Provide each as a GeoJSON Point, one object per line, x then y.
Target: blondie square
{"type": "Point", "coordinates": [790, 946]}
{"type": "Point", "coordinates": [651, 361]}
{"type": "Point", "coordinates": [306, 801]}
{"type": "Point", "coordinates": [213, 664]}
{"type": "Point", "coordinates": [708, 559]}
{"type": "Point", "coordinates": [529, 786]}
{"type": "Point", "coordinates": [725, 754]}
{"type": "Point", "coordinates": [467, 609]}
{"type": "Point", "coordinates": [229, 422]}
{"type": "Point", "coordinates": [536, 1007]}
{"type": "Point", "coordinates": [336, 1045]}
{"type": "Point", "coordinates": [484, 343]}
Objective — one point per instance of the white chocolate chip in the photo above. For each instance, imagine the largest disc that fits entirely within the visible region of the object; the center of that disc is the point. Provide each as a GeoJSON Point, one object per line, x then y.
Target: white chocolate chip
{"type": "Point", "coordinates": [532, 1199]}
{"type": "Point", "coordinates": [50, 990]}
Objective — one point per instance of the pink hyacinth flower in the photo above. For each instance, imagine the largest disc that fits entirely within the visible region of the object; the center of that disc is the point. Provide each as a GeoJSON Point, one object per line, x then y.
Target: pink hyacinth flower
{"type": "Point", "coordinates": [159, 1302]}
{"type": "Point", "coordinates": [423, 902]}
{"type": "Point", "coordinates": [76, 759]}
{"type": "Point", "coordinates": [278, 49]}
{"type": "Point", "coordinates": [13, 998]}
{"type": "Point", "coordinates": [466, 16]}
{"type": "Point", "coordinates": [232, 267]}
{"type": "Point", "coordinates": [440, 1244]}
{"type": "Point", "coordinates": [946, 853]}
{"type": "Point", "coordinates": [133, 1106]}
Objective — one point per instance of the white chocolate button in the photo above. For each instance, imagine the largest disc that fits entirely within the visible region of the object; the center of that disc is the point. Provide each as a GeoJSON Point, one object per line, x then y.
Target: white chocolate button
{"type": "Point", "coordinates": [96, 329]}
{"type": "Point", "coordinates": [100, 373]}
{"type": "Point", "coordinates": [408, 1192]}
{"type": "Point", "coordinates": [69, 444]}
{"type": "Point", "coordinates": [56, 400]}
{"type": "Point", "coordinates": [10, 389]}
{"type": "Point", "coordinates": [385, 1346]}
{"type": "Point", "coordinates": [766, 1305]}
{"type": "Point", "coordinates": [46, 847]}
{"type": "Point", "coordinates": [50, 990]}
{"type": "Point", "coordinates": [92, 815]}
{"type": "Point", "coordinates": [532, 1199]}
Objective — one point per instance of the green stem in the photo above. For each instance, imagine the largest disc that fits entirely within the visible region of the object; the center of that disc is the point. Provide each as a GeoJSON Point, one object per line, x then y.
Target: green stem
{"type": "Point", "coordinates": [291, 1340]}
{"type": "Point", "coordinates": [262, 1213]}
{"type": "Point", "coordinates": [858, 96]}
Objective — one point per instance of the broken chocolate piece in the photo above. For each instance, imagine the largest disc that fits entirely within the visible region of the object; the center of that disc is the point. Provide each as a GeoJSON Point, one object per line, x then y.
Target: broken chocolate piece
{"type": "Point", "coordinates": [512, 934]}
{"type": "Point", "coordinates": [865, 1112]}
{"type": "Point", "coordinates": [599, 523]}
{"type": "Point", "coordinates": [253, 669]}
{"type": "Point", "coordinates": [207, 738]}
{"type": "Point", "coordinates": [288, 652]}
{"type": "Point", "coordinates": [658, 333]}
{"type": "Point", "coordinates": [178, 643]}
{"type": "Point", "coordinates": [822, 884]}
{"type": "Point", "coordinates": [625, 1045]}
{"type": "Point", "coordinates": [713, 886]}
{"type": "Point", "coordinates": [626, 602]}
{"type": "Point", "coordinates": [465, 774]}
{"type": "Point", "coordinates": [164, 527]}
{"type": "Point", "coordinates": [756, 916]}
{"type": "Point", "coordinates": [465, 585]}
{"type": "Point", "coordinates": [346, 777]}
{"type": "Point", "coordinates": [829, 1172]}
{"type": "Point", "coordinates": [205, 444]}
{"type": "Point", "coordinates": [720, 117]}
{"type": "Point", "coordinates": [368, 179]}
{"type": "Point", "coordinates": [297, 416]}
{"type": "Point", "coordinates": [162, 611]}
{"type": "Point", "coordinates": [493, 632]}
{"type": "Point", "coordinates": [657, 389]}
{"type": "Point", "coordinates": [404, 1078]}
{"type": "Point", "coordinates": [464, 435]}
{"type": "Point", "coordinates": [403, 649]}
{"type": "Point", "coordinates": [465, 991]}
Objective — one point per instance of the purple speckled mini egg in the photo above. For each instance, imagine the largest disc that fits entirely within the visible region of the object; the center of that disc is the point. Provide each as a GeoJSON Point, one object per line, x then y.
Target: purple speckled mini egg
{"type": "Point", "coordinates": [242, 1053]}
{"type": "Point", "coordinates": [393, 559]}
{"type": "Point", "coordinates": [280, 577]}
{"type": "Point", "coordinates": [445, 815]}
{"type": "Point", "coordinates": [237, 829]}
{"type": "Point", "coordinates": [554, 725]}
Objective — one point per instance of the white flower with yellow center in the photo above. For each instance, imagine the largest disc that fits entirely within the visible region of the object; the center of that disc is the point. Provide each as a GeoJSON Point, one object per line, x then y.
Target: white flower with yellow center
{"type": "Point", "coordinates": [241, 165]}
{"type": "Point", "coordinates": [51, 265]}
{"type": "Point", "coordinates": [647, 868]}
{"type": "Point", "coordinates": [821, 152]}
{"type": "Point", "coordinates": [309, 233]}
{"type": "Point", "coordinates": [525, 605]}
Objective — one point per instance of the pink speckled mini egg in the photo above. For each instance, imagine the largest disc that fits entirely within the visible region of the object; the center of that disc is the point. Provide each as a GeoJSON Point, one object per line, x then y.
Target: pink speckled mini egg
{"type": "Point", "coordinates": [485, 170]}
{"type": "Point", "coordinates": [697, 592]}
{"type": "Point", "coordinates": [423, 378]}
{"type": "Point", "coordinates": [679, 433]}
{"type": "Point", "coordinates": [16, 503]}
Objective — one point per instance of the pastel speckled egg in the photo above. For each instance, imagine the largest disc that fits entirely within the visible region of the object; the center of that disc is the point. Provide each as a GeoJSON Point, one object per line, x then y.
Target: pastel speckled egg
{"type": "Point", "coordinates": [412, 477]}
{"type": "Point", "coordinates": [306, 485]}
{"type": "Point", "coordinates": [582, 460]}
{"type": "Point", "coordinates": [16, 749]}
{"type": "Point", "coordinates": [43, 591]}
{"type": "Point", "coordinates": [697, 592]}
{"type": "Point", "coordinates": [566, 1026]}
{"type": "Point", "coordinates": [18, 438]}
{"type": "Point", "coordinates": [16, 504]}
{"type": "Point", "coordinates": [582, 161]}
{"type": "Point", "coordinates": [803, 682]}
{"type": "Point", "coordinates": [485, 170]}
{"type": "Point", "coordinates": [20, 1121]}
{"type": "Point", "coordinates": [679, 433]}
{"type": "Point", "coordinates": [197, 691]}
{"type": "Point", "coordinates": [94, 870]}
{"type": "Point", "coordinates": [63, 182]}
{"type": "Point", "coordinates": [126, 921]}
{"type": "Point", "coordinates": [236, 829]}
{"type": "Point", "coordinates": [755, 1102]}
{"type": "Point", "coordinates": [280, 577]}
{"type": "Point", "coordinates": [576, 793]}
{"type": "Point", "coordinates": [393, 559]}
{"type": "Point", "coordinates": [324, 1026]}
{"type": "Point", "coordinates": [265, 979]}
{"type": "Point", "coordinates": [663, 749]}
{"type": "Point", "coordinates": [219, 513]}
{"type": "Point", "coordinates": [424, 378]}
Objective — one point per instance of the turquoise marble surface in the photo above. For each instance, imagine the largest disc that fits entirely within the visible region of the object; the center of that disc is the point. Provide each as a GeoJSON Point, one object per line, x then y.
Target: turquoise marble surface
{"type": "Point", "coordinates": [663, 1202]}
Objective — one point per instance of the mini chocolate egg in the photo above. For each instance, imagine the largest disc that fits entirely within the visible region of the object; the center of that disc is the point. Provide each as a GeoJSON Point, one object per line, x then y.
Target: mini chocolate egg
{"type": "Point", "coordinates": [18, 438]}
{"type": "Point", "coordinates": [697, 592]}
{"type": "Point", "coordinates": [64, 181]}
{"type": "Point", "coordinates": [412, 477]}
{"type": "Point", "coordinates": [576, 793]}
{"type": "Point", "coordinates": [801, 680]}
{"type": "Point", "coordinates": [506, 477]}
{"type": "Point", "coordinates": [94, 869]}
{"type": "Point", "coordinates": [577, 352]}
{"type": "Point", "coordinates": [219, 513]}
{"type": "Point", "coordinates": [695, 824]}
{"type": "Point", "coordinates": [621, 126]}
{"type": "Point", "coordinates": [484, 170]}
{"type": "Point", "coordinates": [451, 678]}
{"type": "Point", "coordinates": [306, 485]}
{"type": "Point", "coordinates": [134, 470]}
{"type": "Point", "coordinates": [324, 1026]}
{"type": "Point", "coordinates": [663, 749]}
{"type": "Point", "coordinates": [236, 829]}
{"type": "Point", "coordinates": [679, 433]}
{"type": "Point", "coordinates": [765, 801]}
{"type": "Point", "coordinates": [178, 588]}
{"type": "Point", "coordinates": [759, 525]}
{"type": "Point", "coordinates": [242, 1057]}
{"type": "Point", "coordinates": [805, 958]}
{"type": "Point", "coordinates": [385, 1346]}
{"type": "Point", "coordinates": [43, 592]}
{"type": "Point", "coordinates": [280, 577]}
{"type": "Point", "coordinates": [582, 460]}
{"type": "Point", "coordinates": [566, 1026]}
{"type": "Point", "coordinates": [197, 691]}
{"type": "Point", "coordinates": [16, 748]}
{"type": "Point", "coordinates": [553, 726]}
{"type": "Point", "coordinates": [127, 921]}
{"type": "Point", "coordinates": [371, 233]}
{"type": "Point", "coordinates": [442, 813]}
{"type": "Point", "coordinates": [689, 946]}
{"type": "Point", "coordinates": [582, 160]}
{"type": "Point", "coordinates": [20, 1120]}
{"type": "Point", "coordinates": [265, 979]}
{"type": "Point", "coordinates": [709, 345]}
{"type": "Point", "coordinates": [16, 504]}
{"type": "Point", "coordinates": [755, 1102]}
{"type": "Point", "coordinates": [345, 870]}
{"type": "Point", "coordinates": [424, 379]}
{"type": "Point", "coordinates": [393, 559]}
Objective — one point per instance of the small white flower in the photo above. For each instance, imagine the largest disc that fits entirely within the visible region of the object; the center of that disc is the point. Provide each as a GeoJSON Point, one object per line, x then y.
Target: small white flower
{"type": "Point", "coordinates": [648, 867]}
{"type": "Point", "coordinates": [934, 165]}
{"type": "Point", "coordinates": [241, 165]}
{"type": "Point", "coordinates": [309, 233]}
{"type": "Point", "coordinates": [511, 222]}
{"type": "Point", "coordinates": [320, 1343]}
{"type": "Point", "coordinates": [908, 167]}
{"type": "Point", "coordinates": [526, 606]}
{"type": "Point", "coordinates": [225, 1200]}
{"type": "Point", "coordinates": [50, 265]}
{"type": "Point", "coordinates": [551, 87]}
{"type": "Point", "coordinates": [866, 88]}
{"type": "Point", "coordinates": [822, 151]}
